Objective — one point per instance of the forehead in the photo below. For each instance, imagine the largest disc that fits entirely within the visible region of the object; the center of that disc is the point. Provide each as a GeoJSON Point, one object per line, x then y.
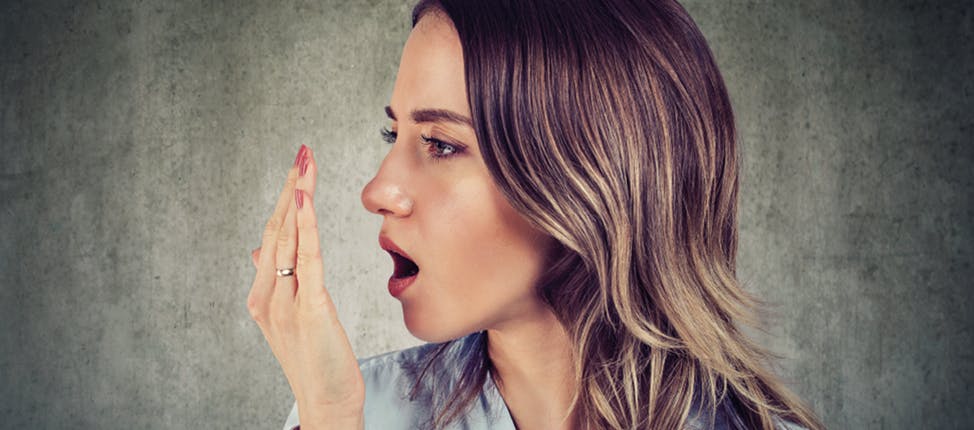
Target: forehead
{"type": "Point", "coordinates": [431, 68]}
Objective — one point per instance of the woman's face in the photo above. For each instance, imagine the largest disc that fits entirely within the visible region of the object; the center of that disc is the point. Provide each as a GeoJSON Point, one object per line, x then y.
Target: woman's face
{"type": "Point", "coordinates": [478, 259]}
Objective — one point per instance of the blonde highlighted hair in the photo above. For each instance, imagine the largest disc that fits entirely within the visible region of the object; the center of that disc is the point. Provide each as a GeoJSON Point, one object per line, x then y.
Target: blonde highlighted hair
{"type": "Point", "coordinates": [607, 125]}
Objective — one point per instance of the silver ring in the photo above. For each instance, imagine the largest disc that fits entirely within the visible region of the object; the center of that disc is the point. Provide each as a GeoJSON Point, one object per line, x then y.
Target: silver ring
{"type": "Point", "coordinates": [285, 272]}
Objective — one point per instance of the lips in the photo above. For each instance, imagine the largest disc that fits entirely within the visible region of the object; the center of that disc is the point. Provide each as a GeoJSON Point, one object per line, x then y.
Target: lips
{"type": "Point", "coordinates": [405, 269]}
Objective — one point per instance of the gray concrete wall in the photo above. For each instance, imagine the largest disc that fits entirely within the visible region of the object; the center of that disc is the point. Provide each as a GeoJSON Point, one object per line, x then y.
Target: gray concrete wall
{"type": "Point", "coordinates": [143, 145]}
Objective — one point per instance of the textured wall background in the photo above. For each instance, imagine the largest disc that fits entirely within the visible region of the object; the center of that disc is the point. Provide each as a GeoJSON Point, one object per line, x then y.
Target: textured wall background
{"type": "Point", "coordinates": [143, 145]}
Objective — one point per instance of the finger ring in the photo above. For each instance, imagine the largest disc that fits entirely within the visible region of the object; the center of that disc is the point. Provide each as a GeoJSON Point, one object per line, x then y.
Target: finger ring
{"type": "Point", "coordinates": [285, 272]}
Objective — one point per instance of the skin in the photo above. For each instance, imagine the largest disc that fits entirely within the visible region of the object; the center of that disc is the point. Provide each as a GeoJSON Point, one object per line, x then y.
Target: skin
{"type": "Point", "coordinates": [297, 316]}
{"type": "Point", "coordinates": [479, 259]}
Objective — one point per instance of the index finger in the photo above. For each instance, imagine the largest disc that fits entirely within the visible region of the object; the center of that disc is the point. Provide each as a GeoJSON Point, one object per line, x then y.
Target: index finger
{"type": "Point", "coordinates": [310, 268]}
{"type": "Point", "coordinates": [265, 266]}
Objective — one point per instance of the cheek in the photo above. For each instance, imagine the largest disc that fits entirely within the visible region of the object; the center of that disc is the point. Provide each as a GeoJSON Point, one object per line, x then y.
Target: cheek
{"type": "Point", "coordinates": [486, 247]}
{"type": "Point", "coordinates": [484, 262]}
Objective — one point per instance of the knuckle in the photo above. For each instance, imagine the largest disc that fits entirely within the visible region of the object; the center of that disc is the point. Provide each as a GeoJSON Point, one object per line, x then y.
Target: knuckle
{"type": "Point", "coordinates": [284, 240]}
{"type": "Point", "coordinates": [308, 256]}
{"type": "Point", "coordinates": [280, 319]}
{"type": "Point", "coordinates": [312, 311]}
{"type": "Point", "coordinates": [256, 309]}
{"type": "Point", "coordinates": [304, 313]}
{"type": "Point", "coordinates": [273, 225]}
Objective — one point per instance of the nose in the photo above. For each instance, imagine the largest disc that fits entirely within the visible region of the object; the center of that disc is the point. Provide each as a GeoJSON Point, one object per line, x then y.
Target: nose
{"type": "Point", "coordinates": [385, 194]}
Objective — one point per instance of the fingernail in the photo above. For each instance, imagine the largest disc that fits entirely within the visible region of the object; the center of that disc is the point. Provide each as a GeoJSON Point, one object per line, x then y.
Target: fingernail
{"type": "Point", "coordinates": [301, 152]}
{"type": "Point", "coordinates": [298, 198]}
{"type": "Point", "coordinates": [305, 161]}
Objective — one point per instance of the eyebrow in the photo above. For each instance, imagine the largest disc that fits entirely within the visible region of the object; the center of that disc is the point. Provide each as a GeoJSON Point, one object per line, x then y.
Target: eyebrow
{"type": "Point", "coordinates": [433, 115]}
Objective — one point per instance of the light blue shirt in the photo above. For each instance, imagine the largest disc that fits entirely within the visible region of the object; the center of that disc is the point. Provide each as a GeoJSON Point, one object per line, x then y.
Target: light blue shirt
{"type": "Point", "coordinates": [390, 377]}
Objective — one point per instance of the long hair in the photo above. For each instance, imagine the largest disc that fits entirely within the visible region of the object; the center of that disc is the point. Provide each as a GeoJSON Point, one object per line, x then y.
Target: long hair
{"type": "Point", "coordinates": [607, 125]}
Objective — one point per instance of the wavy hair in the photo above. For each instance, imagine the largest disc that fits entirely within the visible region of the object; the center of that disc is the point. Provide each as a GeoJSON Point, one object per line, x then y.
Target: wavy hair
{"type": "Point", "coordinates": [607, 125]}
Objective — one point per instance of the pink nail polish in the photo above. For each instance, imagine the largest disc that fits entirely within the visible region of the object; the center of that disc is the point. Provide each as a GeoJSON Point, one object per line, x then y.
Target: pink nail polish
{"type": "Point", "coordinates": [305, 161]}
{"type": "Point", "coordinates": [298, 198]}
{"type": "Point", "coordinates": [301, 155]}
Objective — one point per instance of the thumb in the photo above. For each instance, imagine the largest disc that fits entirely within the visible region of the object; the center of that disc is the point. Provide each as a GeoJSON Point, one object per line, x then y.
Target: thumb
{"type": "Point", "coordinates": [255, 256]}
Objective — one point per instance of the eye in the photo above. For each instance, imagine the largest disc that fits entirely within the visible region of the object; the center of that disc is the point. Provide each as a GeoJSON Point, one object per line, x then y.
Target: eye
{"type": "Point", "coordinates": [388, 136]}
{"type": "Point", "coordinates": [440, 149]}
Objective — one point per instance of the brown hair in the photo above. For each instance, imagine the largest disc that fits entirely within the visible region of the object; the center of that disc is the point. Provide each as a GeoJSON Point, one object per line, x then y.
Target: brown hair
{"type": "Point", "coordinates": [606, 124]}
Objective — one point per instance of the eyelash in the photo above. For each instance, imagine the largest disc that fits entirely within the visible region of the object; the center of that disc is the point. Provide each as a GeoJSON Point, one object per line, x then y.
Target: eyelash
{"type": "Point", "coordinates": [434, 144]}
{"type": "Point", "coordinates": [388, 136]}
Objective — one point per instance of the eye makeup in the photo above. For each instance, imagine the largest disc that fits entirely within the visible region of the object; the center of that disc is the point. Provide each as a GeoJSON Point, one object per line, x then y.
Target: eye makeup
{"type": "Point", "coordinates": [388, 136]}
{"type": "Point", "coordinates": [437, 149]}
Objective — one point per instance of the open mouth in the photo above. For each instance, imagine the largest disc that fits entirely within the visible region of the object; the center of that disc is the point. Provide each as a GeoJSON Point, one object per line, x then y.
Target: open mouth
{"type": "Point", "coordinates": [405, 268]}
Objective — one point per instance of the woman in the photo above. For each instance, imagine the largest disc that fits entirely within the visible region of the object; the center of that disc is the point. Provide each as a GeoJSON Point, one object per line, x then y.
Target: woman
{"type": "Point", "coordinates": [560, 203]}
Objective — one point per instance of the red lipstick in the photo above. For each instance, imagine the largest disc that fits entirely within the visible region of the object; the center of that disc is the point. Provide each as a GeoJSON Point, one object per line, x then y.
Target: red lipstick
{"type": "Point", "coordinates": [405, 269]}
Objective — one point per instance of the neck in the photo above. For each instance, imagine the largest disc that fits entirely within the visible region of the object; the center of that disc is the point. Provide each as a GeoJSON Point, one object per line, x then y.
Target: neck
{"type": "Point", "coordinates": [534, 371]}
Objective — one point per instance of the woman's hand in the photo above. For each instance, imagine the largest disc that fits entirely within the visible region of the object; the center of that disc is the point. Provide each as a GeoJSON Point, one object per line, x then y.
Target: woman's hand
{"type": "Point", "coordinates": [296, 314]}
